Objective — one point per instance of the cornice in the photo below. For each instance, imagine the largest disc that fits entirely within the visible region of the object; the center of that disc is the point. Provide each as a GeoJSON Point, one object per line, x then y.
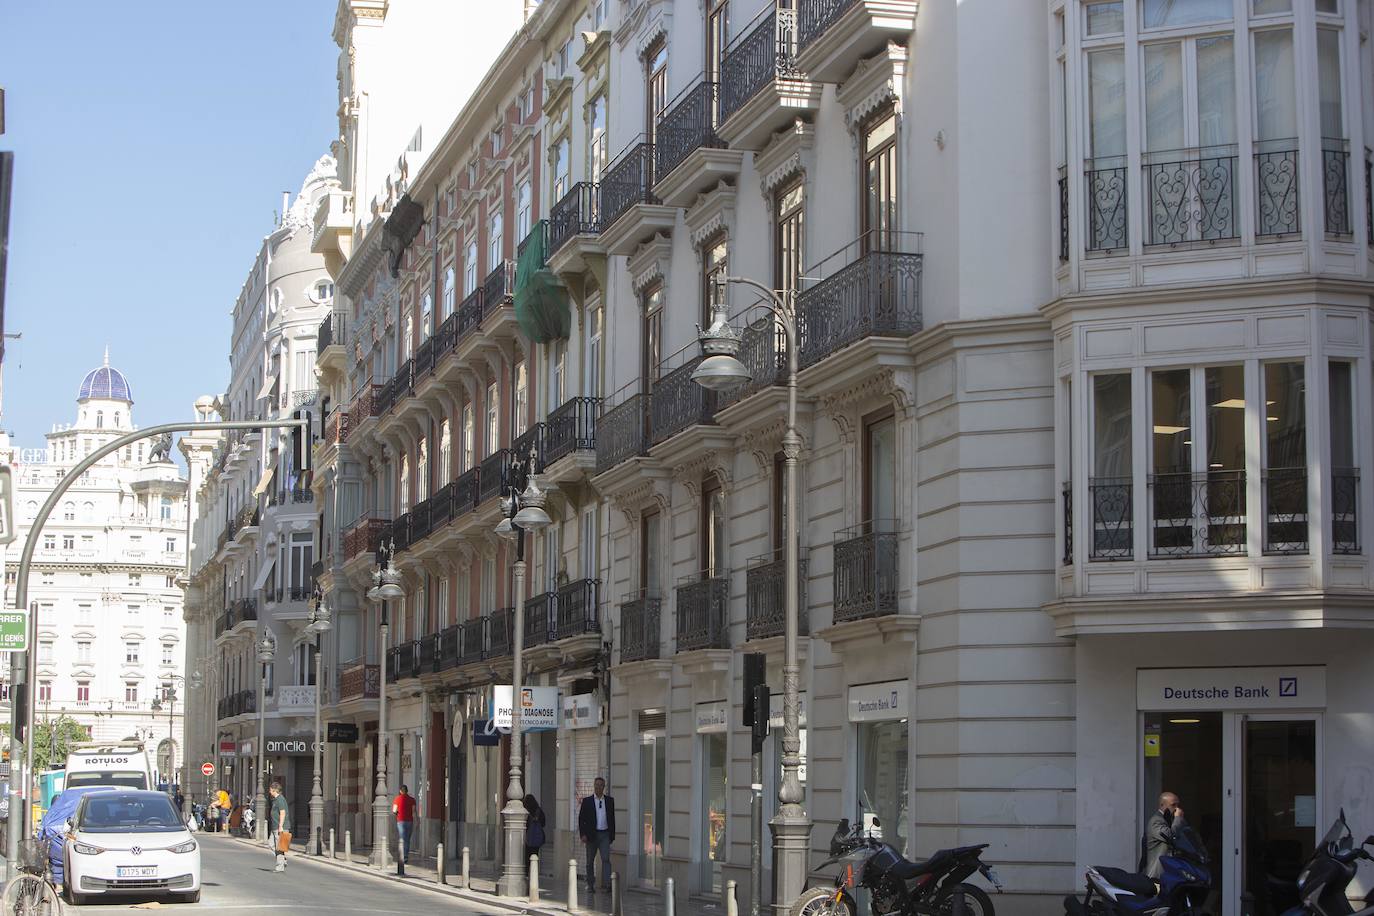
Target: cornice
{"type": "Point", "coordinates": [650, 263]}
{"type": "Point", "coordinates": [787, 154]}
{"type": "Point", "coordinates": [1308, 288]}
{"type": "Point", "coordinates": [876, 82]}
{"type": "Point", "coordinates": [712, 212]}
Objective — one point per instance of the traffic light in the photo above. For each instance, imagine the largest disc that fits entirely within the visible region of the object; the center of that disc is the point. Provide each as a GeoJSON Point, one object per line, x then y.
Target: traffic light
{"type": "Point", "coordinates": [760, 727]}
{"type": "Point", "coordinates": [755, 673]}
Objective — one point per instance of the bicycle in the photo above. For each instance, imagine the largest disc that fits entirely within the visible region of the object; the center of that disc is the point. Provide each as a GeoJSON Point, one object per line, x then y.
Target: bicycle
{"type": "Point", "coordinates": [31, 893]}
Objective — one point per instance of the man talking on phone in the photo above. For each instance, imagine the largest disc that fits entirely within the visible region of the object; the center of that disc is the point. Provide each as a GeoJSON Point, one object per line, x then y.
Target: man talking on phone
{"type": "Point", "coordinates": [1160, 830]}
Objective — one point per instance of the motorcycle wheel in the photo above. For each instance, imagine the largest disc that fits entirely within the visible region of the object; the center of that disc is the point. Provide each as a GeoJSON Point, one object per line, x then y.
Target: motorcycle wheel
{"type": "Point", "coordinates": [820, 901]}
{"type": "Point", "coordinates": [976, 902]}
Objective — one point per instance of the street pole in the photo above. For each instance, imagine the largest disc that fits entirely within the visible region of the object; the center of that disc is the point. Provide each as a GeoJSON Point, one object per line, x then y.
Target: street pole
{"type": "Point", "coordinates": [21, 822]}
{"type": "Point", "coordinates": [514, 880]}
{"type": "Point", "coordinates": [381, 809]}
{"type": "Point", "coordinates": [260, 801]}
{"type": "Point", "coordinates": [316, 788]}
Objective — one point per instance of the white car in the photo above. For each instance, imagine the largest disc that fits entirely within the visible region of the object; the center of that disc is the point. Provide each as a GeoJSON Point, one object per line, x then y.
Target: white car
{"type": "Point", "coordinates": [129, 842]}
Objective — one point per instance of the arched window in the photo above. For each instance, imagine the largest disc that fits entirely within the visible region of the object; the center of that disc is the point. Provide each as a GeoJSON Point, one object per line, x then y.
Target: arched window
{"type": "Point", "coordinates": [100, 419]}
{"type": "Point", "coordinates": [166, 508]}
{"type": "Point", "coordinates": [422, 471]}
{"type": "Point", "coordinates": [449, 292]}
{"type": "Point", "coordinates": [68, 512]}
{"type": "Point", "coordinates": [405, 483]}
{"type": "Point", "coordinates": [445, 455]}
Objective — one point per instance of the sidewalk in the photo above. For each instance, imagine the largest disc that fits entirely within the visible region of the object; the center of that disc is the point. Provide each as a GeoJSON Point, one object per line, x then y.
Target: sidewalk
{"type": "Point", "coordinates": [421, 871]}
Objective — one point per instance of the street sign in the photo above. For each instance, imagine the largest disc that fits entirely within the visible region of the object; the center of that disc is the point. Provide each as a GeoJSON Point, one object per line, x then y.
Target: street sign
{"type": "Point", "coordinates": [14, 630]}
{"type": "Point", "coordinates": [207, 769]}
{"type": "Point", "coordinates": [6, 505]}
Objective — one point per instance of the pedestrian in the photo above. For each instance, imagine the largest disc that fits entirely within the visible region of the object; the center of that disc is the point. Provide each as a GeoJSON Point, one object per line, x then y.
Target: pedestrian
{"type": "Point", "coordinates": [1159, 834]}
{"type": "Point", "coordinates": [180, 801]}
{"type": "Point", "coordinates": [596, 827]}
{"type": "Point", "coordinates": [279, 821]}
{"type": "Point", "coordinates": [226, 804]}
{"type": "Point", "coordinates": [534, 827]}
{"type": "Point", "coordinates": [212, 815]}
{"type": "Point", "coordinates": [403, 807]}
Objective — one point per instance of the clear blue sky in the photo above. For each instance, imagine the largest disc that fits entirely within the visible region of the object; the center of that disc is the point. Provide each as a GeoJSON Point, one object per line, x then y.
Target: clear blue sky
{"type": "Point", "coordinates": [152, 142]}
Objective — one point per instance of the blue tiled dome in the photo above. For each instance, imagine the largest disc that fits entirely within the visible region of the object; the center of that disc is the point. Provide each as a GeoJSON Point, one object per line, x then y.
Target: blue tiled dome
{"type": "Point", "coordinates": [106, 383]}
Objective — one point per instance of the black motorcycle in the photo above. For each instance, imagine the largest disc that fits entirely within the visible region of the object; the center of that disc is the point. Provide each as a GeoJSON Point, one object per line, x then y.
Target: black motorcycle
{"type": "Point", "coordinates": [1323, 880]}
{"type": "Point", "coordinates": [898, 887]}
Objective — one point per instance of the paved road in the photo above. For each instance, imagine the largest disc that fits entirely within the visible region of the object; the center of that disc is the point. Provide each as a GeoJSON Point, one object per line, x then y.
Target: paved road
{"type": "Point", "coordinates": [238, 878]}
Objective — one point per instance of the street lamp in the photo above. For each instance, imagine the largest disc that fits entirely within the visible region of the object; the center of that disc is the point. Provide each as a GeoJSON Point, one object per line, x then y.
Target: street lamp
{"type": "Point", "coordinates": [386, 586]}
{"type": "Point", "coordinates": [720, 370]}
{"type": "Point", "coordinates": [194, 683]}
{"type": "Point", "coordinates": [320, 623]}
{"type": "Point", "coordinates": [521, 510]}
{"type": "Point", "coordinates": [267, 651]}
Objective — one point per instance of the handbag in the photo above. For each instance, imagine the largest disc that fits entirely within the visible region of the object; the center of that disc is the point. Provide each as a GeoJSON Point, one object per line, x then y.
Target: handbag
{"type": "Point", "coordinates": [283, 841]}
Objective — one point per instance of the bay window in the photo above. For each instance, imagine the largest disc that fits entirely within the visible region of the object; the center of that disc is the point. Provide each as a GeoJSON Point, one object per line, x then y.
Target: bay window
{"type": "Point", "coordinates": [1285, 458]}
{"type": "Point", "coordinates": [1276, 131]}
{"type": "Point", "coordinates": [1345, 477]}
{"type": "Point", "coordinates": [1110, 488]}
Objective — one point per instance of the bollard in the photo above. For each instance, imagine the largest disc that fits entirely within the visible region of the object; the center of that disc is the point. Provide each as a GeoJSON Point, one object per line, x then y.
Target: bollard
{"type": "Point", "coordinates": [467, 875]}
{"type": "Point", "coordinates": [348, 846]}
{"type": "Point", "coordinates": [534, 877]}
{"type": "Point", "coordinates": [731, 907]}
{"type": "Point", "coordinates": [572, 885]}
{"type": "Point", "coordinates": [669, 903]}
{"type": "Point", "coordinates": [440, 865]}
{"type": "Point", "coordinates": [331, 844]}
{"type": "Point", "coordinates": [617, 906]}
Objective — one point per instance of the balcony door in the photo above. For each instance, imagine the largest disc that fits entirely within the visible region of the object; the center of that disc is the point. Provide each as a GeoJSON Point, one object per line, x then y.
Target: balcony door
{"type": "Point", "coordinates": [655, 87]}
{"type": "Point", "coordinates": [880, 474]}
{"type": "Point", "coordinates": [878, 195]}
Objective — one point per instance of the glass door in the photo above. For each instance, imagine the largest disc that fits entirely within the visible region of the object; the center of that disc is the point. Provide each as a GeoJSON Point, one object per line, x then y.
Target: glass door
{"type": "Point", "coordinates": [652, 807]}
{"type": "Point", "coordinates": [713, 795]}
{"type": "Point", "coordinates": [1279, 809]}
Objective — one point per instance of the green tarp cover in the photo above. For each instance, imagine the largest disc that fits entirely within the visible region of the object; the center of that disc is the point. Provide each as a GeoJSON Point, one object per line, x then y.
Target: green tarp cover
{"type": "Point", "coordinates": [541, 299]}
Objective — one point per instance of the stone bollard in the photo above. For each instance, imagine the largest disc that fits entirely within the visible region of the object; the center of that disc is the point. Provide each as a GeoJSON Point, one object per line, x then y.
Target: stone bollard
{"type": "Point", "coordinates": [572, 885]}
{"type": "Point", "coordinates": [731, 907]}
{"type": "Point", "coordinates": [331, 844]}
{"type": "Point", "coordinates": [669, 898]}
{"type": "Point", "coordinates": [348, 846]}
{"type": "Point", "coordinates": [534, 877]}
{"type": "Point", "coordinates": [440, 865]}
{"type": "Point", "coordinates": [617, 905]}
{"type": "Point", "coordinates": [467, 874]}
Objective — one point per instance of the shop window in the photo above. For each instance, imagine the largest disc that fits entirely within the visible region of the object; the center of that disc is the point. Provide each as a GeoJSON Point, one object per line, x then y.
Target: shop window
{"type": "Point", "coordinates": [1345, 476]}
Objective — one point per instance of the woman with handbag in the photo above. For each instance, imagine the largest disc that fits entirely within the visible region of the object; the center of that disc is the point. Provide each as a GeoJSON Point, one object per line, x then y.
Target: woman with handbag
{"type": "Point", "coordinates": [534, 827]}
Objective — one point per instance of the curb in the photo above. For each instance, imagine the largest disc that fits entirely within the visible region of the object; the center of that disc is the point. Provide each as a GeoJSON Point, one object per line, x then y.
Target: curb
{"type": "Point", "coordinates": [418, 883]}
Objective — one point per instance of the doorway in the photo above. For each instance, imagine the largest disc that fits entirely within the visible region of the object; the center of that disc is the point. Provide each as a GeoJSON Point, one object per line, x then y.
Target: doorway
{"type": "Point", "coordinates": [1249, 786]}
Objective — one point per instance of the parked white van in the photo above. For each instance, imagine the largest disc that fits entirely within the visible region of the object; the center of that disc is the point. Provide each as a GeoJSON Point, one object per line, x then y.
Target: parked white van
{"type": "Point", "coordinates": [101, 763]}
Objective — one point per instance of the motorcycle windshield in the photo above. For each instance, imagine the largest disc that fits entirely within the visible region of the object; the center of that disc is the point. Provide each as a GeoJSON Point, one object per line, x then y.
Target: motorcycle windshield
{"type": "Point", "coordinates": [1338, 838]}
{"type": "Point", "coordinates": [1187, 845]}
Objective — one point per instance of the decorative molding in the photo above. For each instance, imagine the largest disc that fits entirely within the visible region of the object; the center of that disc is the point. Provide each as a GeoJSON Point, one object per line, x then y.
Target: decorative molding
{"type": "Point", "coordinates": [713, 212]}
{"type": "Point", "coordinates": [649, 264]}
{"type": "Point", "coordinates": [876, 82]}
{"type": "Point", "coordinates": [898, 385]}
{"type": "Point", "coordinates": [715, 462]}
{"type": "Point", "coordinates": [789, 152]}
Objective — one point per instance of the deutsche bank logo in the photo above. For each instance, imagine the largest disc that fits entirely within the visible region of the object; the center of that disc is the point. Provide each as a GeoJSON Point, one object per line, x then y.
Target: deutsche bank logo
{"type": "Point", "coordinates": [1288, 686]}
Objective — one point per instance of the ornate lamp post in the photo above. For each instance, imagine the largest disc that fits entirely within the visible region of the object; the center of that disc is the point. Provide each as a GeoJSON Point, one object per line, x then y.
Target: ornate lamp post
{"type": "Point", "coordinates": [194, 682]}
{"type": "Point", "coordinates": [720, 370]}
{"type": "Point", "coordinates": [267, 651]}
{"type": "Point", "coordinates": [320, 623]}
{"type": "Point", "coordinates": [386, 586]}
{"type": "Point", "coordinates": [522, 510]}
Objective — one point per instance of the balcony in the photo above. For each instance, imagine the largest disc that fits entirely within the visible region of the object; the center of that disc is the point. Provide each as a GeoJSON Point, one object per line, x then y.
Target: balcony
{"type": "Point", "coordinates": [834, 35]}
{"type": "Point", "coordinates": [1336, 187]}
{"type": "Point", "coordinates": [333, 223]}
{"type": "Point", "coordinates": [469, 314]}
{"type": "Point", "coordinates": [689, 156]}
{"type": "Point", "coordinates": [296, 698]}
{"type": "Point", "coordinates": [500, 633]}
{"type": "Point", "coordinates": [245, 702]}
{"type": "Point", "coordinates": [763, 350]}
{"type": "Point", "coordinates": [1105, 193]}
{"type": "Point", "coordinates": [622, 432]}
{"type": "Point", "coordinates": [449, 643]}
{"type": "Point", "coordinates": [403, 662]}
{"type": "Point", "coordinates": [491, 475]}
{"type": "Point", "coordinates": [539, 612]}
{"type": "Point", "coordinates": [1345, 511]}
{"type": "Point", "coordinates": [1278, 208]}
{"type": "Point", "coordinates": [703, 613]}
{"type": "Point", "coordinates": [429, 653]}
{"type": "Point", "coordinates": [330, 334]}
{"type": "Point", "coordinates": [420, 521]}
{"type": "Point", "coordinates": [576, 613]}
{"type": "Point", "coordinates": [336, 428]}
{"type": "Point", "coordinates": [359, 681]}
{"type": "Point", "coordinates": [530, 442]}
{"type": "Point", "coordinates": [499, 288]}
{"type": "Point", "coordinates": [761, 89]}
{"type": "Point", "coordinates": [1111, 500]}
{"type": "Point", "coordinates": [472, 641]}
{"type": "Point", "coordinates": [628, 210]}
{"type": "Point", "coordinates": [677, 402]}
{"type": "Point", "coordinates": [573, 225]}
{"type": "Point", "coordinates": [1191, 195]}
{"type": "Point", "coordinates": [365, 537]}
{"type": "Point", "coordinates": [365, 407]}
{"type": "Point", "coordinates": [1198, 514]}
{"type": "Point", "coordinates": [639, 627]}
{"type": "Point", "coordinates": [466, 492]}
{"type": "Point", "coordinates": [766, 597]}
{"type": "Point", "coordinates": [400, 531]}
{"type": "Point", "coordinates": [865, 576]}
{"type": "Point", "coordinates": [878, 295]}
{"type": "Point", "coordinates": [571, 428]}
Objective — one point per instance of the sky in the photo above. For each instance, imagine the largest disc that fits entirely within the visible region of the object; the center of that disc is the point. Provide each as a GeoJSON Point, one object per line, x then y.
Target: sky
{"type": "Point", "coordinates": [152, 143]}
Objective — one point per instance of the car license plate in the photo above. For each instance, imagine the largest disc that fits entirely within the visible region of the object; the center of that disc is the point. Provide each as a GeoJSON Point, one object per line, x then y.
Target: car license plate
{"type": "Point", "coordinates": [136, 871]}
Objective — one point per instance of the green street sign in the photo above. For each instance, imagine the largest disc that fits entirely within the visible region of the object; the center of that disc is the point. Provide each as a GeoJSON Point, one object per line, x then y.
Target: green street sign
{"type": "Point", "coordinates": [14, 631]}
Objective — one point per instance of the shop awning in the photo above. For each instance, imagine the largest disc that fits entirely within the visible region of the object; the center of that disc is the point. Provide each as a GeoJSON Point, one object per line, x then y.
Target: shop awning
{"type": "Point", "coordinates": [265, 481]}
{"type": "Point", "coordinates": [263, 575]}
{"type": "Point", "coordinates": [541, 299]}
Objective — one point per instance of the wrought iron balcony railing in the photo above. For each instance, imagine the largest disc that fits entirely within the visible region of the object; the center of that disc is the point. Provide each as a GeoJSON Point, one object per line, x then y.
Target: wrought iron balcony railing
{"type": "Point", "coordinates": [865, 575]}
{"type": "Point", "coordinates": [639, 626]}
{"type": "Point", "coordinates": [576, 612]}
{"type": "Point", "coordinates": [539, 611]}
{"type": "Point", "coordinates": [622, 432]}
{"type": "Point", "coordinates": [1345, 510]}
{"type": "Point", "coordinates": [365, 405]}
{"type": "Point", "coordinates": [1336, 185]}
{"type": "Point", "coordinates": [1066, 505]}
{"type": "Point", "coordinates": [424, 360]}
{"type": "Point", "coordinates": [687, 124]}
{"type": "Point", "coordinates": [500, 632]}
{"type": "Point", "coordinates": [491, 476]}
{"type": "Point", "coordinates": [365, 536]}
{"type": "Point", "coordinates": [429, 653]}
{"type": "Point", "coordinates": [1063, 213]}
{"type": "Point", "coordinates": [531, 440]}
{"type": "Point", "coordinates": [1197, 514]}
{"type": "Point", "coordinates": [441, 507]}
{"type": "Point", "coordinates": [571, 428]}
{"type": "Point", "coordinates": [576, 214]}
{"type": "Point", "coordinates": [1191, 196]}
{"type": "Point", "coordinates": [465, 492]}
{"type": "Point", "coordinates": [1285, 511]}
{"type": "Point", "coordinates": [470, 313]}
{"type": "Point", "coordinates": [450, 643]}
{"type": "Point", "coordinates": [1105, 194]}
{"type": "Point", "coordinates": [420, 521]}
{"type": "Point", "coordinates": [765, 589]}
{"type": "Point", "coordinates": [763, 350]}
{"type": "Point", "coordinates": [815, 16]}
{"type": "Point", "coordinates": [1111, 500]}
{"type": "Point", "coordinates": [472, 641]}
{"type": "Point", "coordinates": [766, 52]}
{"type": "Point", "coordinates": [499, 287]}
{"type": "Point", "coordinates": [445, 337]}
{"type": "Point", "coordinates": [331, 332]}
{"type": "Point", "coordinates": [403, 662]}
{"type": "Point", "coordinates": [703, 621]}
{"type": "Point", "coordinates": [676, 402]}
{"type": "Point", "coordinates": [879, 294]}
{"type": "Point", "coordinates": [629, 180]}
{"type": "Point", "coordinates": [360, 681]}
{"type": "Point", "coordinates": [336, 430]}
{"type": "Point", "coordinates": [400, 531]}
{"type": "Point", "coordinates": [1277, 205]}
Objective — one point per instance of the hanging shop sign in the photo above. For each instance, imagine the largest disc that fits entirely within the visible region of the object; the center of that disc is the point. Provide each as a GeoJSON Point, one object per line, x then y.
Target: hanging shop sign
{"type": "Point", "coordinates": [290, 747]}
{"type": "Point", "coordinates": [539, 708]}
{"type": "Point", "coordinates": [712, 717]}
{"type": "Point", "coordinates": [581, 710]}
{"type": "Point", "coordinates": [1254, 689]}
{"type": "Point", "coordinates": [342, 733]}
{"type": "Point", "coordinates": [876, 702]}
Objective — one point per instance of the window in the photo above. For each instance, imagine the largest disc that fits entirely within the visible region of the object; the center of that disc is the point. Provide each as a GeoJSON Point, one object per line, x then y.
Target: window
{"type": "Point", "coordinates": [488, 584]}
{"type": "Point", "coordinates": [600, 13]}
{"type": "Point", "coordinates": [445, 454]}
{"type": "Point", "coordinates": [1110, 486]}
{"type": "Point", "coordinates": [1285, 458]}
{"type": "Point", "coordinates": [470, 268]}
{"type": "Point", "coordinates": [407, 337]}
{"type": "Point", "coordinates": [426, 315]}
{"type": "Point", "coordinates": [1345, 536]}
{"type": "Point", "coordinates": [441, 603]}
{"type": "Point", "coordinates": [167, 658]}
{"type": "Point", "coordinates": [165, 509]}
{"type": "Point", "coordinates": [523, 203]}
{"type": "Point", "coordinates": [68, 542]}
{"type": "Point", "coordinates": [450, 293]}
{"type": "Point", "coordinates": [559, 168]}
{"type": "Point", "coordinates": [171, 582]}
{"type": "Point", "coordinates": [880, 182]}
{"type": "Point", "coordinates": [472, 174]}
{"type": "Point", "coordinates": [714, 268]}
{"type": "Point", "coordinates": [788, 237]}
{"type": "Point", "coordinates": [130, 691]}
{"type": "Point", "coordinates": [1160, 14]}
{"type": "Point", "coordinates": [558, 357]}
{"type": "Point", "coordinates": [49, 542]}
{"type": "Point", "coordinates": [131, 652]}
{"type": "Point", "coordinates": [1276, 116]}
{"type": "Point", "coordinates": [880, 479]}
{"type": "Point", "coordinates": [1103, 18]}
{"type": "Point", "coordinates": [586, 547]}
{"type": "Point", "coordinates": [100, 419]}
{"type": "Point", "coordinates": [651, 345]}
{"type": "Point", "coordinates": [404, 483]}
{"type": "Point", "coordinates": [171, 545]}
{"type": "Point", "coordinates": [649, 552]}
{"type": "Point", "coordinates": [521, 405]}
{"type": "Point", "coordinates": [422, 471]}
{"type": "Point", "coordinates": [324, 291]}
{"type": "Point", "coordinates": [591, 386]}
{"type": "Point", "coordinates": [136, 580]}
{"type": "Point", "coordinates": [45, 691]}
{"type": "Point", "coordinates": [133, 611]}
{"type": "Point", "coordinates": [83, 613]}
{"type": "Point", "coordinates": [597, 138]}
{"type": "Point", "coordinates": [496, 142]}
{"type": "Point", "coordinates": [712, 549]}
{"type": "Point", "coordinates": [83, 692]}
{"type": "Point", "coordinates": [493, 418]}
{"type": "Point", "coordinates": [469, 449]}
{"type": "Point", "coordinates": [717, 36]}
{"type": "Point", "coordinates": [68, 512]}
{"type": "Point", "coordinates": [45, 656]}
{"type": "Point", "coordinates": [495, 241]}
{"type": "Point", "coordinates": [656, 86]}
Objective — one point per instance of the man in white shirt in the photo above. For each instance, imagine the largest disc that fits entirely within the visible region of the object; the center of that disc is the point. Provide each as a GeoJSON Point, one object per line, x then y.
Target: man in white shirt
{"type": "Point", "coordinates": [596, 826]}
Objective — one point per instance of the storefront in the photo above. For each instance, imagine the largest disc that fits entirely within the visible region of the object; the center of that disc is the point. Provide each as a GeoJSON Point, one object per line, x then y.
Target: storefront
{"type": "Point", "coordinates": [712, 729]}
{"type": "Point", "coordinates": [650, 793]}
{"type": "Point", "coordinates": [878, 715]}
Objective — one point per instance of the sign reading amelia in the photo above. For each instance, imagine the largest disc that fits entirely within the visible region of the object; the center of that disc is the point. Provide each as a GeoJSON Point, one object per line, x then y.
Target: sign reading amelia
{"type": "Point", "coordinates": [871, 702]}
{"type": "Point", "coordinates": [1298, 687]}
{"type": "Point", "coordinates": [538, 708]}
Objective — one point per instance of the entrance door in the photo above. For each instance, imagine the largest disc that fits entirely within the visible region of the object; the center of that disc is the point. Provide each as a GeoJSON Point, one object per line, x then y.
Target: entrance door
{"type": "Point", "coordinates": [1279, 809]}
{"type": "Point", "coordinates": [653, 803]}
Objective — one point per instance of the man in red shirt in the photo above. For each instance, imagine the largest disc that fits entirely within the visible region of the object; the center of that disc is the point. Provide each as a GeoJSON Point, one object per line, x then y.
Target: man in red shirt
{"type": "Point", "coordinates": [403, 806]}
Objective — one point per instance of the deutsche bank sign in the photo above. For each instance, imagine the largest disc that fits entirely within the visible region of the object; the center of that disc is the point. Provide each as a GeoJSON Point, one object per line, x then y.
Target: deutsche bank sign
{"type": "Point", "coordinates": [1297, 687]}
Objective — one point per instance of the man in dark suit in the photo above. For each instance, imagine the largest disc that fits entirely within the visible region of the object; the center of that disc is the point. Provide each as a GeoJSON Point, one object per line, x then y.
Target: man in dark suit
{"type": "Point", "coordinates": [596, 826]}
{"type": "Point", "coordinates": [1159, 834]}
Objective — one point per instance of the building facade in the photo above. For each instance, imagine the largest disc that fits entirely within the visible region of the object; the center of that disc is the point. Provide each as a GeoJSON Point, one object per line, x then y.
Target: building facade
{"type": "Point", "coordinates": [105, 576]}
{"type": "Point", "coordinates": [1081, 292]}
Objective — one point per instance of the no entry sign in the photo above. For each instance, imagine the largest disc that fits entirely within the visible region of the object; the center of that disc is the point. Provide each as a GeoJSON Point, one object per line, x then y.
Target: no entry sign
{"type": "Point", "coordinates": [207, 769]}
